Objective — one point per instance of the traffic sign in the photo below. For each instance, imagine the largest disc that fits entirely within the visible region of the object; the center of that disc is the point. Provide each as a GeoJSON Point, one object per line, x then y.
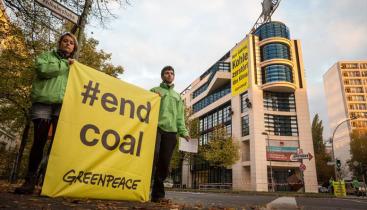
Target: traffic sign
{"type": "Point", "coordinates": [59, 9]}
{"type": "Point", "coordinates": [302, 167]}
{"type": "Point", "coordinates": [301, 156]}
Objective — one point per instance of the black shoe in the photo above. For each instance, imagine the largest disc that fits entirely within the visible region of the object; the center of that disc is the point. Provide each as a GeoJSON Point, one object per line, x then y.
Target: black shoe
{"type": "Point", "coordinates": [26, 188]}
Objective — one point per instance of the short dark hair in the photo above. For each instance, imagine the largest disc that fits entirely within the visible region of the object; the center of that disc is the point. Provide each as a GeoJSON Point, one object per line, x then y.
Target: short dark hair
{"type": "Point", "coordinates": [167, 68]}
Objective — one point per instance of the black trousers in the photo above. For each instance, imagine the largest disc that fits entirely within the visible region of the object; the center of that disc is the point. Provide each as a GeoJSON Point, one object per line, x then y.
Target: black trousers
{"type": "Point", "coordinates": [165, 145]}
{"type": "Point", "coordinates": [41, 128]}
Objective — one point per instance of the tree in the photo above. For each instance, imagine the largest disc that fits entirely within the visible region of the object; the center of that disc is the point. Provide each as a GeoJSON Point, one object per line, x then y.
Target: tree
{"type": "Point", "coordinates": [17, 55]}
{"type": "Point", "coordinates": [36, 16]}
{"type": "Point", "coordinates": [100, 59]}
{"type": "Point", "coordinates": [221, 151]}
{"type": "Point", "coordinates": [324, 172]}
{"type": "Point", "coordinates": [358, 150]}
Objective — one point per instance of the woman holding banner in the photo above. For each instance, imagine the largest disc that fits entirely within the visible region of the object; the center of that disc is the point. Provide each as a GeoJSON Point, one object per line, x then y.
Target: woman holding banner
{"type": "Point", "coordinates": [48, 88]}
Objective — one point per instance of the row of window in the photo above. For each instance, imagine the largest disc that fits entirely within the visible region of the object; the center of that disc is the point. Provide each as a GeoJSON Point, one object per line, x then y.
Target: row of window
{"type": "Point", "coordinates": [278, 72]}
{"type": "Point", "coordinates": [206, 137]}
{"type": "Point", "coordinates": [358, 114]}
{"type": "Point", "coordinates": [356, 98]}
{"type": "Point", "coordinates": [211, 98]}
{"type": "Point", "coordinates": [281, 125]}
{"type": "Point", "coordinates": [219, 66]}
{"type": "Point", "coordinates": [359, 124]}
{"type": "Point", "coordinates": [353, 66]}
{"type": "Point", "coordinates": [279, 101]}
{"type": "Point", "coordinates": [272, 29]}
{"type": "Point", "coordinates": [354, 90]}
{"type": "Point", "coordinates": [357, 107]}
{"type": "Point", "coordinates": [353, 82]}
{"type": "Point", "coordinates": [355, 73]}
{"type": "Point", "coordinates": [221, 115]}
{"type": "Point", "coordinates": [275, 50]}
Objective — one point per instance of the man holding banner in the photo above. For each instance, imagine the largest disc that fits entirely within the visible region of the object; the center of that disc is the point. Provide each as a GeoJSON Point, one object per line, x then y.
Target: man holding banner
{"type": "Point", "coordinates": [170, 123]}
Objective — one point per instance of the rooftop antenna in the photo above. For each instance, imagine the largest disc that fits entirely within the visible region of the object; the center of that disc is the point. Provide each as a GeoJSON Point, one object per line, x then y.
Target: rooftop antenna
{"type": "Point", "coordinates": [269, 6]}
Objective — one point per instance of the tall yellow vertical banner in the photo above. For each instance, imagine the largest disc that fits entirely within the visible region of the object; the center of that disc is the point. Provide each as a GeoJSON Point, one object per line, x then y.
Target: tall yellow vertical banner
{"type": "Point", "coordinates": [239, 68]}
{"type": "Point", "coordinates": [105, 139]}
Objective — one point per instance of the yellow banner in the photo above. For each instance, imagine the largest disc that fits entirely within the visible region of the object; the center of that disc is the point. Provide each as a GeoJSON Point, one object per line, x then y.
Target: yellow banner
{"type": "Point", "coordinates": [105, 139]}
{"type": "Point", "coordinates": [339, 188]}
{"type": "Point", "coordinates": [239, 68]}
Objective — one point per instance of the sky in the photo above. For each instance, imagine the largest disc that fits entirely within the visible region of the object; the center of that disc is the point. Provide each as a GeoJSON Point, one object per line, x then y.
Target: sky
{"type": "Point", "coordinates": [192, 35]}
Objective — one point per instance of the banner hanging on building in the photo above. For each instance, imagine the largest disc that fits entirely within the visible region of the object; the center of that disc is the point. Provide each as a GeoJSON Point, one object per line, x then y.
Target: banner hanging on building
{"type": "Point", "coordinates": [105, 139]}
{"type": "Point", "coordinates": [239, 68]}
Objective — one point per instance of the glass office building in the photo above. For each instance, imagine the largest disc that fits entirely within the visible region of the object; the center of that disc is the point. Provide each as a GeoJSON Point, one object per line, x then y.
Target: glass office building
{"type": "Point", "coordinates": [270, 131]}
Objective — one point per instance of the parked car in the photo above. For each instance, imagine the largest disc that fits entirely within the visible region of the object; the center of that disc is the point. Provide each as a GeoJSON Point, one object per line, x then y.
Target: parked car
{"type": "Point", "coordinates": [168, 183]}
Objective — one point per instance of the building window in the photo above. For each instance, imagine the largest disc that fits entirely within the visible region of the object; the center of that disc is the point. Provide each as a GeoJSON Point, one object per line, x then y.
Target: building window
{"type": "Point", "coordinates": [354, 90]}
{"type": "Point", "coordinates": [219, 66]}
{"type": "Point", "coordinates": [229, 130]}
{"type": "Point", "coordinates": [357, 107]}
{"type": "Point", "coordinates": [275, 50]}
{"type": "Point", "coordinates": [244, 107]}
{"type": "Point", "coordinates": [279, 101]}
{"type": "Point", "coordinates": [220, 117]}
{"type": "Point", "coordinates": [201, 125]}
{"type": "Point", "coordinates": [227, 114]}
{"type": "Point", "coordinates": [210, 121]}
{"type": "Point", "coordinates": [356, 98]}
{"type": "Point", "coordinates": [272, 29]}
{"type": "Point", "coordinates": [200, 90]}
{"type": "Point", "coordinates": [351, 74]}
{"type": "Point", "coordinates": [280, 125]}
{"type": "Point", "coordinates": [215, 119]}
{"type": "Point", "coordinates": [359, 124]}
{"type": "Point", "coordinates": [278, 72]}
{"type": "Point", "coordinates": [245, 126]}
{"type": "Point", "coordinates": [352, 82]}
{"type": "Point", "coordinates": [211, 98]}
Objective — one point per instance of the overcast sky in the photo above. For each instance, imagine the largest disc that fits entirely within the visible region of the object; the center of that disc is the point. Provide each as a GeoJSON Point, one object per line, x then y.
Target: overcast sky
{"type": "Point", "coordinates": [192, 35]}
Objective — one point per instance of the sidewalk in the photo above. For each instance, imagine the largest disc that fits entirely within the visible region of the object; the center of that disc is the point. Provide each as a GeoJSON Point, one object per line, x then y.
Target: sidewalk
{"type": "Point", "coordinates": [9, 200]}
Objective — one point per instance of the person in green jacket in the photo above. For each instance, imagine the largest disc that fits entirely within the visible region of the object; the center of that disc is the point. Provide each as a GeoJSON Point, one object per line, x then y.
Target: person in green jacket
{"type": "Point", "coordinates": [171, 123]}
{"type": "Point", "coordinates": [48, 88]}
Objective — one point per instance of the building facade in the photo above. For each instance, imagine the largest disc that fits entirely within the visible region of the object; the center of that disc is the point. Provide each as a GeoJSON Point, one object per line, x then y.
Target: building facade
{"type": "Point", "coordinates": [345, 85]}
{"type": "Point", "coordinates": [269, 121]}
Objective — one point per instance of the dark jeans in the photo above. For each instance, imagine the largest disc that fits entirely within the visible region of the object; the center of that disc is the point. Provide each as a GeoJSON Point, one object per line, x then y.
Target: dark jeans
{"type": "Point", "coordinates": [165, 145]}
{"type": "Point", "coordinates": [41, 129]}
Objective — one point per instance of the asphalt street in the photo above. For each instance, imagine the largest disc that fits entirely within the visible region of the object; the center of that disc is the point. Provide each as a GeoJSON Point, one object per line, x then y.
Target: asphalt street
{"type": "Point", "coordinates": [242, 201]}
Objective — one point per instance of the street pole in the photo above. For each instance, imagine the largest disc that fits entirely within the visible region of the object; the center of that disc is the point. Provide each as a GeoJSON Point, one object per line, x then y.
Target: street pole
{"type": "Point", "coordinates": [271, 168]}
{"type": "Point", "coordinates": [332, 143]}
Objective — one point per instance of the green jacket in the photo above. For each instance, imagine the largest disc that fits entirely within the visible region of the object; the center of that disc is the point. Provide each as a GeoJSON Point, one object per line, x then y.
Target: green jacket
{"type": "Point", "coordinates": [171, 113]}
{"type": "Point", "coordinates": [51, 78]}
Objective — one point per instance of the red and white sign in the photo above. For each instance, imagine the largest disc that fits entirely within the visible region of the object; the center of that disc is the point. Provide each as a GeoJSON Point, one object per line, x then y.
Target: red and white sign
{"type": "Point", "coordinates": [279, 156]}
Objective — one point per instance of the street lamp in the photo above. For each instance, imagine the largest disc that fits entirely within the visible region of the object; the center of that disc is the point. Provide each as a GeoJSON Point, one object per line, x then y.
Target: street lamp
{"type": "Point", "coordinates": [332, 141]}
{"type": "Point", "coordinates": [271, 168]}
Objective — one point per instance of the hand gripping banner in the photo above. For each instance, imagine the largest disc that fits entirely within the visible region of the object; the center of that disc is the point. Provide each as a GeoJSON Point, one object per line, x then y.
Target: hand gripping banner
{"type": "Point", "coordinates": [105, 139]}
